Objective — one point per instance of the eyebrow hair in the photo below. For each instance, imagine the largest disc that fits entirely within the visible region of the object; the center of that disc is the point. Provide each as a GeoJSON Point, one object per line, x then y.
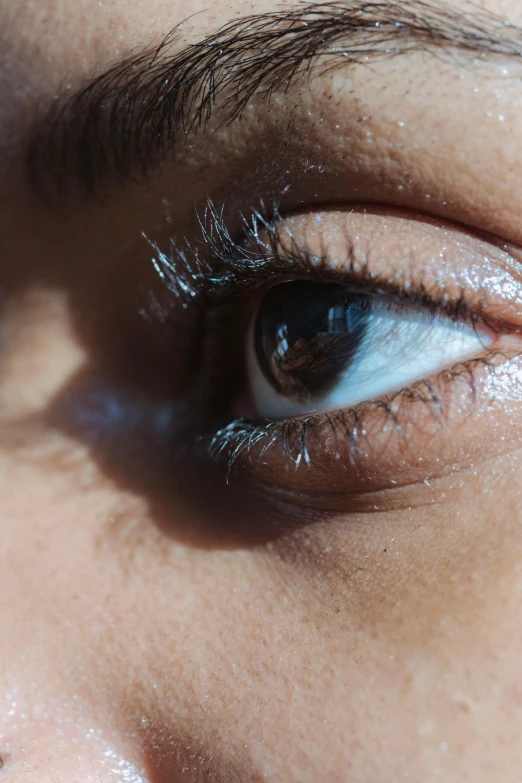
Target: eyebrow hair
{"type": "Point", "coordinates": [128, 118]}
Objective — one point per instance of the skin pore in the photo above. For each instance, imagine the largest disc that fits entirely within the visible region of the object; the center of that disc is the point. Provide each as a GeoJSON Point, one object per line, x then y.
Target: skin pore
{"type": "Point", "coordinates": [158, 622]}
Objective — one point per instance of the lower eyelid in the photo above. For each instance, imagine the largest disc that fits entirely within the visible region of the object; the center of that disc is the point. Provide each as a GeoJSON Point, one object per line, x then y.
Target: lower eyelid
{"type": "Point", "coordinates": [418, 432]}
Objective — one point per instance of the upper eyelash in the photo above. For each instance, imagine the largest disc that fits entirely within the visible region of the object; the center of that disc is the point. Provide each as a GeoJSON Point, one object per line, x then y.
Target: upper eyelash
{"type": "Point", "coordinates": [188, 273]}
{"type": "Point", "coordinates": [217, 270]}
{"type": "Point", "coordinates": [227, 267]}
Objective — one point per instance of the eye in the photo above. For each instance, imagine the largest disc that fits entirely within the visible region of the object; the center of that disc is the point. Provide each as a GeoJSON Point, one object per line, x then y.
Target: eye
{"type": "Point", "coordinates": [315, 346]}
{"type": "Point", "coordinates": [346, 353]}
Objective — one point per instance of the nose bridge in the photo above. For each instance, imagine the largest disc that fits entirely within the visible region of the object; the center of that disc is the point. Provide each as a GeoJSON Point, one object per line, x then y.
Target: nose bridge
{"type": "Point", "coordinates": [39, 746]}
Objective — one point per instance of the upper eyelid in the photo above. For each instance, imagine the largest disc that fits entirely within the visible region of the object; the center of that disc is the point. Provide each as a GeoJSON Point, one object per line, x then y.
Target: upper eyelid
{"type": "Point", "coordinates": [227, 268]}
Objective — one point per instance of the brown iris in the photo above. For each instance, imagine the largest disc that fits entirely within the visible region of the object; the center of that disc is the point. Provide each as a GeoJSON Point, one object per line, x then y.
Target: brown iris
{"type": "Point", "coordinates": [307, 334]}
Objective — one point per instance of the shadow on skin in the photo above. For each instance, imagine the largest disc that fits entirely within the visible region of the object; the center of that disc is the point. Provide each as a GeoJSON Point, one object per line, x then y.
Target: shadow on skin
{"type": "Point", "coordinates": [120, 405]}
{"type": "Point", "coordinates": [132, 440]}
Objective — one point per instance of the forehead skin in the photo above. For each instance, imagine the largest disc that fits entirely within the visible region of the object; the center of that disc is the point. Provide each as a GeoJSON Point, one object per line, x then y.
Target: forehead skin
{"type": "Point", "coordinates": [124, 649]}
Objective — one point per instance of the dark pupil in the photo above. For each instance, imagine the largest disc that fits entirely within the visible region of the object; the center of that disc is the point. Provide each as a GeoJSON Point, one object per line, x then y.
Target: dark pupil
{"type": "Point", "coordinates": [307, 334]}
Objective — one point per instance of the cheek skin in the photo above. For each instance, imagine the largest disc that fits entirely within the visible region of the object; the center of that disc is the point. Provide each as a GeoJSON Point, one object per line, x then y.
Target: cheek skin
{"type": "Point", "coordinates": [323, 625]}
{"type": "Point", "coordinates": [445, 552]}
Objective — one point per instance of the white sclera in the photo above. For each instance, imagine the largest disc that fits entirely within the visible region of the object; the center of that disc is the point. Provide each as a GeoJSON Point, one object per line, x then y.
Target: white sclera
{"type": "Point", "coordinates": [401, 346]}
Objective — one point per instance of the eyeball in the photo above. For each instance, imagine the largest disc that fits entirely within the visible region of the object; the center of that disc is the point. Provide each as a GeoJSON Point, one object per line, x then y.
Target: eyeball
{"type": "Point", "coordinates": [316, 346]}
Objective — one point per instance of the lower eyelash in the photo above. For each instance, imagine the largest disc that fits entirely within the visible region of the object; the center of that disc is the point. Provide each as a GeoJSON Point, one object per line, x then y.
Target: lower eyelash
{"type": "Point", "coordinates": [241, 440]}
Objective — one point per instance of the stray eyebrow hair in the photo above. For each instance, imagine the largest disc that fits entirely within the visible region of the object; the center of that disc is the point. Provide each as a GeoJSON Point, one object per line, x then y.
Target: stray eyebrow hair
{"type": "Point", "coordinates": [128, 118]}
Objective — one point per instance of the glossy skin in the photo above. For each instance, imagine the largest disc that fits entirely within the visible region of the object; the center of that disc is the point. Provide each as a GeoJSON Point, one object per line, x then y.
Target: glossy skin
{"type": "Point", "coordinates": [381, 643]}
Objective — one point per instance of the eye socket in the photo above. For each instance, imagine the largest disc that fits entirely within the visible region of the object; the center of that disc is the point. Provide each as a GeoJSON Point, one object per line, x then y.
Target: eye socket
{"type": "Point", "coordinates": [316, 346]}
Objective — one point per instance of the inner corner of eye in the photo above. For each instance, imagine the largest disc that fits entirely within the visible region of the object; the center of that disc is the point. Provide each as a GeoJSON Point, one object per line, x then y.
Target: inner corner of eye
{"type": "Point", "coordinates": [315, 345]}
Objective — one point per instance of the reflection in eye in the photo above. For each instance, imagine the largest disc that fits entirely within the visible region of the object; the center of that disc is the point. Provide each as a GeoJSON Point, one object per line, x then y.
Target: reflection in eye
{"type": "Point", "coordinates": [320, 346]}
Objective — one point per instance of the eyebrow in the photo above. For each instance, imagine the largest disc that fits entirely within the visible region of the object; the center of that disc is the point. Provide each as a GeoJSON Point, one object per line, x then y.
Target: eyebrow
{"type": "Point", "coordinates": [129, 118]}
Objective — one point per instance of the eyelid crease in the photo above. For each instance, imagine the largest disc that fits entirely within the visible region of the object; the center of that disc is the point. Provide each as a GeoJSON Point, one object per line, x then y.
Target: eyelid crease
{"type": "Point", "coordinates": [219, 271]}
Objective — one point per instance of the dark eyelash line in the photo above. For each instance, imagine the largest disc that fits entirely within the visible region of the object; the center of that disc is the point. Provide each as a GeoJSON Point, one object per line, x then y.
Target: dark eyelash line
{"type": "Point", "coordinates": [217, 270]}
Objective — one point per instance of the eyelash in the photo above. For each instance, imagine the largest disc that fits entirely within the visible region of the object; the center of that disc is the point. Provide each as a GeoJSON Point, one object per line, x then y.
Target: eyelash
{"type": "Point", "coordinates": [227, 271]}
{"type": "Point", "coordinates": [240, 439]}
